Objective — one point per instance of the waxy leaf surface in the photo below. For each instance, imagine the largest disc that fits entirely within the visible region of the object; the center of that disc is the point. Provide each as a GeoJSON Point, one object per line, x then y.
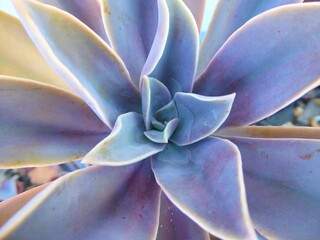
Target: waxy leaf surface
{"type": "Point", "coordinates": [176, 67]}
{"type": "Point", "coordinates": [110, 204]}
{"type": "Point", "coordinates": [230, 15]}
{"type": "Point", "coordinates": [40, 120]}
{"type": "Point", "coordinates": [173, 224]}
{"type": "Point", "coordinates": [261, 72]}
{"type": "Point", "coordinates": [83, 59]}
{"type": "Point", "coordinates": [126, 143]}
{"type": "Point", "coordinates": [282, 179]}
{"type": "Point", "coordinates": [204, 180]}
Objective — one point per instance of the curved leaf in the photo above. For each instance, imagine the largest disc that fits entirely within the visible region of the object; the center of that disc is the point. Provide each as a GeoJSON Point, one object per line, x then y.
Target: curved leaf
{"type": "Point", "coordinates": [154, 95]}
{"type": "Point", "coordinates": [10, 206]}
{"type": "Point", "coordinates": [197, 8]}
{"type": "Point", "coordinates": [112, 203]}
{"type": "Point", "coordinates": [176, 67]}
{"type": "Point", "coordinates": [163, 136]}
{"type": "Point", "coordinates": [199, 116]}
{"type": "Point", "coordinates": [228, 17]}
{"type": "Point", "coordinates": [19, 57]}
{"type": "Point", "coordinates": [132, 36]}
{"type": "Point", "coordinates": [126, 143]}
{"type": "Point", "coordinates": [83, 59]}
{"type": "Point", "coordinates": [273, 64]}
{"type": "Point", "coordinates": [195, 177]}
{"type": "Point", "coordinates": [282, 179]}
{"type": "Point", "coordinates": [87, 11]}
{"type": "Point", "coordinates": [44, 125]}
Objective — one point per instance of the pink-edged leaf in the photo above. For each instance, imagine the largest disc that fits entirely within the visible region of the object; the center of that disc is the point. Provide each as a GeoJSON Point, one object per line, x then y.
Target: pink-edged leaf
{"type": "Point", "coordinates": [204, 180]}
{"type": "Point", "coordinates": [282, 179]}
{"type": "Point", "coordinates": [228, 17]}
{"type": "Point", "coordinates": [279, 212]}
{"type": "Point", "coordinates": [43, 125]}
{"type": "Point", "coordinates": [126, 143]}
{"type": "Point", "coordinates": [131, 27]}
{"type": "Point", "coordinates": [93, 203]}
{"type": "Point", "coordinates": [197, 8]}
{"type": "Point", "coordinates": [176, 67]}
{"type": "Point", "coordinates": [19, 57]}
{"type": "Point", "coordinates": [82, 59]}
{"type": "Point", "coordinates": [87, 11]}
{"type": "Point", "coordinates": [267, 67]}
{"type": "Point", "coordinates": [173, 224]}
{"type": "Point", "coordinates": [10, 206]}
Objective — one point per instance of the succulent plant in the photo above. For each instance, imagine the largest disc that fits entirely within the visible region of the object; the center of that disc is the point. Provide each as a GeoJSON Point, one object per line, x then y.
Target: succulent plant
{"type": "Point", "coordinates": [162, 122]}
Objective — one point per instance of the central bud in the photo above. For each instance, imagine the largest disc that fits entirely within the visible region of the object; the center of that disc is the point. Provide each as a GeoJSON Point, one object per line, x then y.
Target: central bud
{"type": "Point", "coordinates": [163, 124]}
{"type": "Point", "coordinates": [181, 118]}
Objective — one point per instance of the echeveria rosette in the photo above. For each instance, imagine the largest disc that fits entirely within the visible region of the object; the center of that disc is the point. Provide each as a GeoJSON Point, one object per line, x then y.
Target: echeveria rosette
{"type": "Point", "coordinates": [146, 99]}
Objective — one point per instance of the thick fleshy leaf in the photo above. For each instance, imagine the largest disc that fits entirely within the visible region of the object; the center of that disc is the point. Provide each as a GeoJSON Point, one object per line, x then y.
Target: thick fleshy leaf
{"type": "Point", "coordinates": [199, 116]}
{"type": "Point", "coordinates": [94, 203]}
{"type": "Point", "coordinates": [43, 125]}
{"type": "Point", "coordinates": [83, 59]}
{"type": "Point", "coordinates": [282, 180]}
{"type": "Point", "coordinates": [126, 143]}
{"type": "Point", "coordinates": [195, 178]}
{"type": "Point", "coordinates": [270, 132]}
{"type": "Point", "coordinates": [160, 39]}
{"type": "Point", "coordinates": [260, 64]}
{"type": "Point", "coordinates": [87, 11]}
{"type": "Point", "coordinates": [228, 17]}
{"type": "Point", "coordinates": [279, 212]}
{"type": "Point", "coordinates": [176, 67]}
{"type": "Point", "coordinates": [132, 36]}
{"type": "Point", "coordinates": [175, 225]}
{"type": "Point", "coordinates": [197, 8]}
{"type": "Point", "coordinates": [154, 95]}
{"type": "Point", "coordinates": [163, 136]}
{"type": "Point", "coordinates": [19, 57]}
{"type": "Point", "coordinates": [10, 206]}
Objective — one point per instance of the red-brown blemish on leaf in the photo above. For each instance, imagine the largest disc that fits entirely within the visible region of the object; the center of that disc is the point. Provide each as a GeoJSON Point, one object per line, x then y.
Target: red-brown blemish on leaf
{"type": "Point", "coordinates": [305, 156]}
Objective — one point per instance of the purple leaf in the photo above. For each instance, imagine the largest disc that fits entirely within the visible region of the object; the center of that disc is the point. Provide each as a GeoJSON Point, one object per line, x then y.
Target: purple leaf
{"type": "Point", "coordinates": [175, 225]}
{"type": "Point", "coordinates": [228, 17]}
{"type": "Point", "coordinates": [282, 179]}
{"type": "Point", "coordinates": [112, 203]}
{"type": "Point", "coordinates": [39, 120]}
{"type": "Point", "coordinates": [82, 59]}
{"type": "Point", "coordinates": [199, 116]}
{"type": "Point", "coordinates": [138, 21]}
{"type": "Point", "coordinates": [204, 180]}
{"type": "Point", "coordinates": [260, 64]}
{"type": "Point", "coordinates": [176, 67]}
